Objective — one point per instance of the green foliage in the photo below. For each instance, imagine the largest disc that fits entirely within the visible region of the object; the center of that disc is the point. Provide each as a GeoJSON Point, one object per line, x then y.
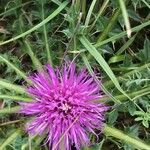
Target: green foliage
{"type": "Point", "coordinates": [111, 37]}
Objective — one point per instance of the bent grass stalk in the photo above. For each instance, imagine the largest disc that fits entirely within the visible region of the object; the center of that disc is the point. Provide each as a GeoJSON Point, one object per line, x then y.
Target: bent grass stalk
{"type": "Point", "coordinates": [122, 34]}
{"type": "Point", "coordinates": [113, 132]}
{"type": "Point", "coordinates": [98, 57]}
{"type": "Point", "coordinates": [50, 17]}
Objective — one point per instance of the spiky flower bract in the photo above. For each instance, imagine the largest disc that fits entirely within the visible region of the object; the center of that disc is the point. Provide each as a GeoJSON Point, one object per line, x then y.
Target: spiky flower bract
{"type": "Point", "coordinates": [63, 107]}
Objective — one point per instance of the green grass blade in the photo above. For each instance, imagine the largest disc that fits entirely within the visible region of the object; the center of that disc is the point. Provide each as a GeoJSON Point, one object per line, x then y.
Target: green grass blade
{"type": "Point", "coordinates": [34, 59]}
{"type": "Point", "coordinates": [10, 86]}
{"type": "Point", "coordinates": [49, 59]}
{"type": "Point", "coordinates": [90, 13]}
{"type": "Point", "coordinates": [10, 110]}
{"type": "Point", "coordinates": [133, 95]}
{"type": "Point", "coordinates": [17, 98]}
{"type": "Point", "coordinates": [50, 17]}
{"type": "Point", "coordinates": [116, 58]}
{"type": "Point", "coordinates": [12, 9]}
{"type": "Point", "coordinates": [109, 26]}
{"type": "Point", "coordinates": [87, 64]}
{"type": "Point", "coordinates": [58, 2]}
{"type": "Point", "coordinates": [146, 3]}
{"type": "Point", "coordinates": [122, 34]}
{"type": "Point", "coordinates": [101, 11]}
{"type": "Point", "coordinates": [10, 139]}
{"type": "Point", "coordinates": [113, 132]}
{"type": "Point", "coordinates": [126, 45]}
{"type": "Point", "coordinates": [126, 17]}
{"type": "Point", "coordinates": [102, 62]}
{"type": "Point", "coordinates": [18, 71]}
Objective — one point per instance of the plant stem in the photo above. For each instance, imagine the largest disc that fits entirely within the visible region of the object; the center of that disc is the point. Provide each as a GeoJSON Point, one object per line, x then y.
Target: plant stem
{"type": "Point", "coordinates": [126, 17]}
{"type": "Point", "coordinates": [137, 143]}
{"type": "Point", "coordinates": [90, 13]}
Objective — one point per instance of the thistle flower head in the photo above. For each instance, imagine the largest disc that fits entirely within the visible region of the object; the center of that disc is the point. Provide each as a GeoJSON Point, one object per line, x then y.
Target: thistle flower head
{"type": "Point", "coordinates": [63, 107]}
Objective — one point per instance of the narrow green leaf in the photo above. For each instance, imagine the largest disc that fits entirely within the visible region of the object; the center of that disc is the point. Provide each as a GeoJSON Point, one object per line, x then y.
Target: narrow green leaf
{"type": "Point", "coordinates": [92, 50]}
{"type": "Point", "coordinates": [50, 17]}
{"type": "Point", "coordinates": [126, 45]}
{"type": "Point", "coordinates": [86, 62]}
{"type": "Point", "coordinates": [146, 3]}
{"type": "Point", "coordinates": [10, 110]}
{"type": "Point", "coordinates": [101, 11]}
{"type": "Point", "coordinates": [49, 59]}
{"type": "Point", "coordinates": [90, 13]}
{"type": "Point", "coordinates": [18, 71]}
{"type": "Point", "coordinates": [10, 139]}
{"type": "Point", "coordinates": [109, 84]}
{"type": "Point", "coordinates": [126, 17]}
{"type": "Point", "coordinates": [18, 98]}
{"type": "Point", "coordinates": [12, 9]}
{"type": "Point", "coordinates": [115, 59]}
{"type": "Point", "coordinates": [137, 143]}
{"type": "Point", "coordinates": [10, 86]}
{"type": "Point", "coordinates": [109, 26]}
{"type": "Point", "coordinates": [34, 59]}
{"type": "Point", "coordinates": [122, 34]}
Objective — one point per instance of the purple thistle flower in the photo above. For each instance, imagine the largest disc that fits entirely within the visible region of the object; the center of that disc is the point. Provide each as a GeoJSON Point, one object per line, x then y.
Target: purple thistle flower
{"type": "Point", "coordinates": [63, 107]}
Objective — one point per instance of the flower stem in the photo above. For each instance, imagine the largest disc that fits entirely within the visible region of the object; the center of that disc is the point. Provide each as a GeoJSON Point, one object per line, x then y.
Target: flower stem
{"type": "Point", "coordinates": [139, 144]}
